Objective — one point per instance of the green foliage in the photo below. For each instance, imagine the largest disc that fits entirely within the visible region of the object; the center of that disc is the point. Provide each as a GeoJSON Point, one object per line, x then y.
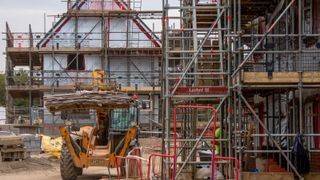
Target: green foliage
{"type": "Point", "coordinates": [22, 102]}
{"type": "Point", "coordinates": [2, 90]}
{"type": "Point", "coordinates": [21, 77]}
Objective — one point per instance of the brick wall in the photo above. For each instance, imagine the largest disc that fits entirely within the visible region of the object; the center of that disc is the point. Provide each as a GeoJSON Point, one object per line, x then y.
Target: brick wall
{"type": "Point", "coordinates": [315, 162]}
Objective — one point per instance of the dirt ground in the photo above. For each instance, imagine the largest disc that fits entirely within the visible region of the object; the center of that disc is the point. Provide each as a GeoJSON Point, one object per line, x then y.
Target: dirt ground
{"type": "Point", "coordinates": [46, 167]}
{"type": "Point", "coordinates": [54, 174]}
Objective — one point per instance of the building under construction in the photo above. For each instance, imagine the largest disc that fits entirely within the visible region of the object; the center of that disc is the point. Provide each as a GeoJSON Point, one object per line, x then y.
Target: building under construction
{"type": "Point", "coordinates": [93, 43]}
{"type": "Point", "coordinates": [247, 69]}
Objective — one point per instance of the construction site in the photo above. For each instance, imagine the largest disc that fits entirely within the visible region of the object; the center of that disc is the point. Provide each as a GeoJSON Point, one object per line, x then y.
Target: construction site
{"type": "Point", "coordinates": [192, 89]}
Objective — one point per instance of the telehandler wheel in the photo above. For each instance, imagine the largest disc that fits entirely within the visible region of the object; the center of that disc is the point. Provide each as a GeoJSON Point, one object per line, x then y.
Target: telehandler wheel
{"type": "Point", "coordinates": [79, 171]}
{"type": "Point", "coordinates": [68, 170]}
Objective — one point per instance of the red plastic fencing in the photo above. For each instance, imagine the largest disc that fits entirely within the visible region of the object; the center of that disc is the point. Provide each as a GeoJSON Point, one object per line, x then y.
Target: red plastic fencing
{"type": "Point", "coordinates": [219, 158]}
{"type": "Point", "coordinates": [158, 155]}
{"type": "Point", "coordinates": [134, 158]}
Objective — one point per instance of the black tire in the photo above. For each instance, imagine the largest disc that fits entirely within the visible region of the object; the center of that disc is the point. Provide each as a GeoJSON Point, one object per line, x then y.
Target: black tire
{"type": "Point", "coordinates": [68, 170]}
{"type": "Point", "coordinates": [79, 171]}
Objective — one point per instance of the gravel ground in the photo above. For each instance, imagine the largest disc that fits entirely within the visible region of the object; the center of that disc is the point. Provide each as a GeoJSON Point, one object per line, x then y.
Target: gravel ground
{"type": "Point", "coordinates": [46, 167]}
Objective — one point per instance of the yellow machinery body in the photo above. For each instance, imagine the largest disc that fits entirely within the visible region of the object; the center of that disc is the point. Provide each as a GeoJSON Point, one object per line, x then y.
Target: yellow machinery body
{"type": "Point", "coordinates": [93, 154]}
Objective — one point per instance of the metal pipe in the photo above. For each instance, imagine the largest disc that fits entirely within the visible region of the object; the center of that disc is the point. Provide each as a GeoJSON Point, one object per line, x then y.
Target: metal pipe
{"type": "Point", "coordinates": [262, 39]}
{"type": "Point", "coordinates": [196, 54]}
{"type": "Point", "coordinates": [300, 86]}
{"type": "Point", "coordinates": [272, 139]}
{"type": "Point", "coordinates": [229, 94]}
{"type": "Point", "coordinates": [175, 134]}
{"type": "Point", "coordinates": [199, 138]}
{"type": "Point", "coordinates": [157, 155]}
{"type": "Point", "coordinates": [195, 39]}
{"type": "Point", "coordinates": [165, 25]}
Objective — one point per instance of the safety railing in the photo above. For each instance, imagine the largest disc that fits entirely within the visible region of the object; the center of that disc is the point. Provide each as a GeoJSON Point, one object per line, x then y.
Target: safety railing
{"type": "Point", "coordinates": [22, 78]}
{"type": "Point", "coordinates": [117, 39]}
{"type": "Point", "coordinates": [19, 115]}
{"type": "Point", "coordinates": [130, 159]}
{"type": "Point", "coordinates": [281, 53]}
{"type": "Point", "coordinates": [206, 2]}
{"type": "Point", "coordinates": [140, 164]}
{"type": "Point", "coordinates": [225, 164]}
{"type": "Point", "coordinates": [151, 168]}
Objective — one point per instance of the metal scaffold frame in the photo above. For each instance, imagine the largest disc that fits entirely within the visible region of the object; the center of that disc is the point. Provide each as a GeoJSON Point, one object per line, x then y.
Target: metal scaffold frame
{"type": "Point", "coordinates": [250, 44]}
{"type": "Point", "coordinates": [192, 42]}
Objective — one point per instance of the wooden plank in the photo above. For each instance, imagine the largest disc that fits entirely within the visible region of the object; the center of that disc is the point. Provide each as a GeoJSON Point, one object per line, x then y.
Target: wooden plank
{"type": "Point", "coordinates": [141, 89]}
{"type": "Point", "coordinates": [268, 175]}
{"type": "Point", "coordinates": [21, 50]}
{"type": "Point", "coordinates": [311, 77]}
{"type": "Point", "coordinates": [280, 78]}
{"type": "Point", "coordinates": [10, 141]}
{"type": "Point", "coordinates": [11, 150]}
{"type": "Point", "coordinates": [277, 78]}
{"type": "Point", "coordinates": [312, 175]}
{"type": "Point", "coordinates": [45, 50]}
{"type": "Point", "coordinates": [44, 88]}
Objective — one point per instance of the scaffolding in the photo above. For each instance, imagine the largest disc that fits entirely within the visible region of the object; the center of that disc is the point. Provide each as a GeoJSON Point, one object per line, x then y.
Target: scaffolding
{"type": "Point", "coordinates": [257, 64]}
{"type": "Point", "coordinates": [107, 29]}
{"type": "Point", "coordinates": [247, 68]}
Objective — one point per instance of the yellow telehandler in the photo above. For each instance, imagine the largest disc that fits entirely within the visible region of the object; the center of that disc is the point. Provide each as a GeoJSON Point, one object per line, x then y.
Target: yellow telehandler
{"type": "Point", "coordinates": [114, 132]}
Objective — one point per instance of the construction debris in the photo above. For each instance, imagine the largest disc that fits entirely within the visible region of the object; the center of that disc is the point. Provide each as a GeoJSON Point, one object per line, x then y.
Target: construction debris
{"type": "Point", "coordinates": [11, 147]}
{"type": "Point", "coordinates": [51, 145]}
{"type": "Point", "coordinates": [36, 162]}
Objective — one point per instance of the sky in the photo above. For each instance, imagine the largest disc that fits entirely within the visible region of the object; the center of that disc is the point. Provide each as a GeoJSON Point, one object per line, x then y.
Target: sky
{"type": "Point", "coordinates": [20, 13]}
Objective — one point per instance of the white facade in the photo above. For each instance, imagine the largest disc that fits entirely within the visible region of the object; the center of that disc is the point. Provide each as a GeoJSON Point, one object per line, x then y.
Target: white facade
{"type": "Point", "coordinates": [126, 71]}
{"type": "Point", "coordinates": [90, 35]}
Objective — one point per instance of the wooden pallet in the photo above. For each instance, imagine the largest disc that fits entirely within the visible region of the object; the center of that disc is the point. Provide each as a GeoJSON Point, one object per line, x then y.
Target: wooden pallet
{"type": "Point", "coordinates": [11, 148]}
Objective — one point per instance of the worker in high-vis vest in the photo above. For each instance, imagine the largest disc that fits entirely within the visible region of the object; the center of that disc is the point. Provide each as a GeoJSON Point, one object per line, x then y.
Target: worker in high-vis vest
{"type": "Point", "coordinates": [218, 136]}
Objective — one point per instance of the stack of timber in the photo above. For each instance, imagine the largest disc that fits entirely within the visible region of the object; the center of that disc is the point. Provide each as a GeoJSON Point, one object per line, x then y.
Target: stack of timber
{"type": "Point", "coordinates": [11, 148]}
{"type": "Point", "coordinates": [87, 100]}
